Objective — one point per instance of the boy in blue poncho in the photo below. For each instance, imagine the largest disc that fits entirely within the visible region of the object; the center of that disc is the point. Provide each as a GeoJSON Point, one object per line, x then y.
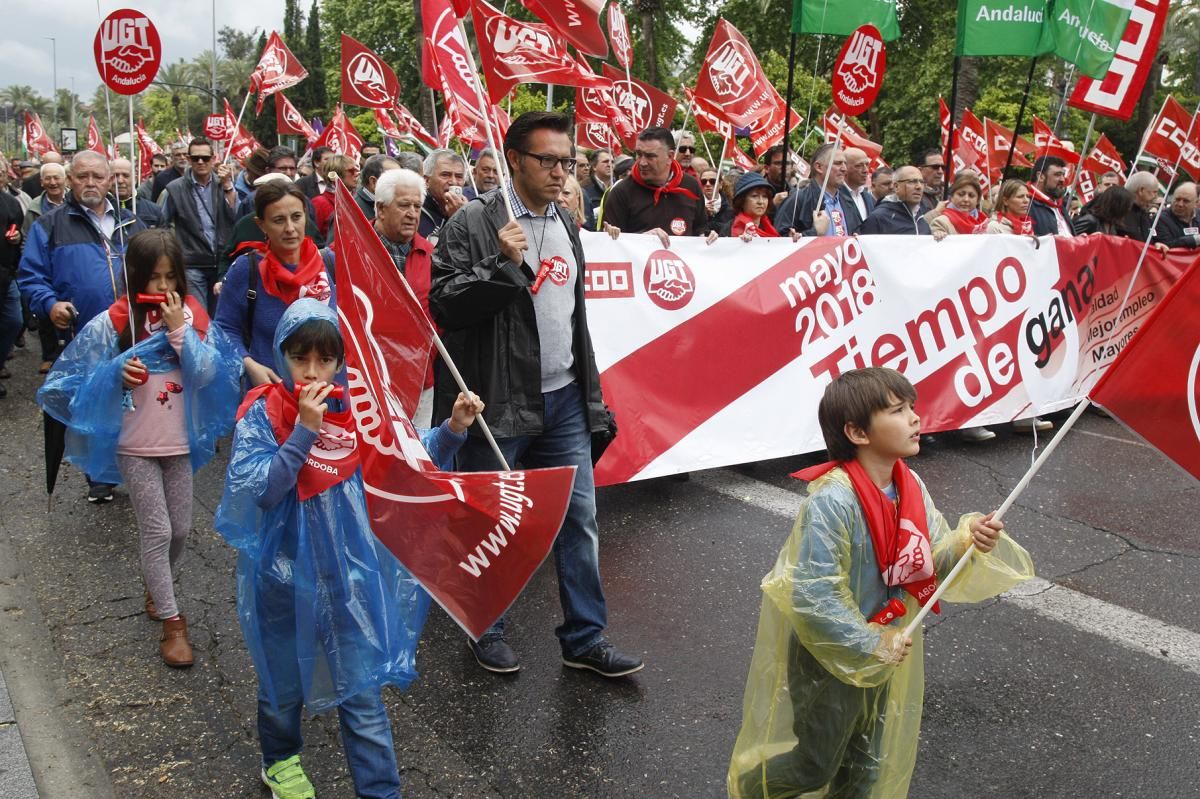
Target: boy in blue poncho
{"type": "Point", "coordinates": [327, 612]}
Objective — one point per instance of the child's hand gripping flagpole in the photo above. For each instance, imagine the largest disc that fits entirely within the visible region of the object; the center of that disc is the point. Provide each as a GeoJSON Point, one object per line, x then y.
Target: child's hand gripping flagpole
{"type": "Point", "coordinates": [462, 386]}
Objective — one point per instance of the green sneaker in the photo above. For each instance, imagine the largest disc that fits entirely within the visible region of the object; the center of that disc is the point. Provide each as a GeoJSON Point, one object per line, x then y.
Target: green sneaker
{"type": "Point", "coordinates": [287, 780]}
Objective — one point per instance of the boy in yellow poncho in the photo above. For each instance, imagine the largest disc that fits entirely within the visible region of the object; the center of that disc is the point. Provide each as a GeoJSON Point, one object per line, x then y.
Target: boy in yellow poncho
{"type": "Point", "coordinates": [833, 700]}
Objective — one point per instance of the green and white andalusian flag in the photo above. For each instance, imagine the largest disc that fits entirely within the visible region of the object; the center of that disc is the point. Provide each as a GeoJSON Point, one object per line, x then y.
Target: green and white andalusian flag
{"type": "Point", "coordinates": [1086, 32]}
{"type": "Point", "coordinates": [1001, 27]}
{"type": "Point", "coordinates": [842, 17]}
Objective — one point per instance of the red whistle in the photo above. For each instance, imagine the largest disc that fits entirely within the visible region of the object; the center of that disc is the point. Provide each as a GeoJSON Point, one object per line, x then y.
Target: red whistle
{"type": "Point", "coordinates": [543, 273]}
{"type": "Point", "coordinates": [150, 299]}
{"type": "Point", "coordinates": [893, 610]}
{"type": "Point", "coordinates": [336, 393]}
{"type": "Point", "coordinates": [11, 229]}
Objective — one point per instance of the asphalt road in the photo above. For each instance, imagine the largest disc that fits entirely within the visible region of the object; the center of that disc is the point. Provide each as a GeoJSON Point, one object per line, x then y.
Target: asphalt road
{"type": "Point", "coordinates": [1032, 697]}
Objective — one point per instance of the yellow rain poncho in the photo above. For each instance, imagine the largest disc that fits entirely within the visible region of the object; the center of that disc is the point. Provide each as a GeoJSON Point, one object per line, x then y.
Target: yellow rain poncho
{"type": "Point", "coordinates": [826, 712]}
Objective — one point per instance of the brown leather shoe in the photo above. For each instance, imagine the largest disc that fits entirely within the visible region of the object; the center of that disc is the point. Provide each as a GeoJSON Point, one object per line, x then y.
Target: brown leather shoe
{"type": "Point", "coordinates": [174, 645]}
{"type": "Point", "coordinates": [151, 609]}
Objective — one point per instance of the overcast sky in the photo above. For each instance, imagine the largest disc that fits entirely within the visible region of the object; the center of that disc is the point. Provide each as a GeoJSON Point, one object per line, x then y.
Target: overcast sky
{"type": "Point", "coordinates": [185, 27]}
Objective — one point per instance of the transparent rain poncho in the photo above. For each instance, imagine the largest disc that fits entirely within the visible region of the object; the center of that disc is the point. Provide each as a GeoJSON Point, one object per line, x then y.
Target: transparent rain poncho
{"type": "Point", "coordinates": [326, 610]}
{"type": "Point", "coordinates": [85, 391]}
{"type": "Point", "coordinates": [826, 712]}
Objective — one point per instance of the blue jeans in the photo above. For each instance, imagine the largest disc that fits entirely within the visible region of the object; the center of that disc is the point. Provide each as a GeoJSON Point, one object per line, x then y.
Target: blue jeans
{"type": "Point", "coordinates": [366, 737]}
{"type": "Point", "coordinates": [11, 319]}
{"type": "Point", "coordinates": [565, 441]}
{"type": "Point", "coordinates": [200, 284]}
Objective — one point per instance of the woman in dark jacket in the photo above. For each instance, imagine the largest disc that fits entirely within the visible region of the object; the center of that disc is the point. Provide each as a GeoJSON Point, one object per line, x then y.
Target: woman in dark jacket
{"type": "Point", "coordinates": [1106, 213]}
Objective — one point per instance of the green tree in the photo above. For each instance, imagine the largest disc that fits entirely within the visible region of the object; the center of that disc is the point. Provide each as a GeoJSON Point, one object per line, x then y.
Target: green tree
{"type": "Point", "coordinates": [311, 91]}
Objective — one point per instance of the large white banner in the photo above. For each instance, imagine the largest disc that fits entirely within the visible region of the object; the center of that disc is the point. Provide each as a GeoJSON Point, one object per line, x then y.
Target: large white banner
{"type": "Point", "coordinates": [718, 354]}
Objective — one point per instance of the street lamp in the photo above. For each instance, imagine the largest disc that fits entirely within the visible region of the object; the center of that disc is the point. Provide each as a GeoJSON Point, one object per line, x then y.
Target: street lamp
{"type": "Point", "coordinates": [54, 72]}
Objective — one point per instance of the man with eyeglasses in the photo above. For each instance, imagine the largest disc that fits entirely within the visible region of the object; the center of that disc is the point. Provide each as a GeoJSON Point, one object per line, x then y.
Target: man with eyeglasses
{"type": "Point", "coordinates": [1179, 224]}
{"type": "Point", "coordinates": [685, 150]}
{"type": "Point", "coordinates": [658, 198]}
{"type": "Point", "coordinates": [508, 294]}
{"type": "Point", "coordinates": [399, 195]}
{"type": "Point", "coordinates": [71, 270]}
{"type": "Point", "coordinates": [900, 214]}
{"type": "Point", "coordinates": [933, 174]}
{"type": "Point", "coordinates": [201, 207]}
{"type": "Point", "coordinates": [445, 177]}
{"type": "Point", "coordinates": [177, 169]}
{"type": "Point", "coordinates": [806, 213]}
{"type": "Point", "coordinates": [601, 162]}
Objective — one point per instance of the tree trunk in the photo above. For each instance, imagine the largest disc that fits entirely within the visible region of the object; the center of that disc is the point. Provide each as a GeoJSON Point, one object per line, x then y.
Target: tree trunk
{"type": "Point", "coordinates": [650, 54]}
{"type": "Point", "coordinates": [968, 86]}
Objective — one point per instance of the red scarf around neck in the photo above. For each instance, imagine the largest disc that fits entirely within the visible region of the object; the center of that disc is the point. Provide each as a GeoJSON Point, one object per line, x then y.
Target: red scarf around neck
{"type": "Point", "coordinates": [743, 222]}
{"type": "Point", "coordinates": [193, 314]}
{"type": "Point", "coordinates": [1021, 225]}
{"type": "Point", "coordinates": [1042, 197]}
{"type": "Point", "coordinates": [899, 532]}
{"type": "Point", "coordinates": [334, 455]}
{"type": "Point", "coordinates": [672, 186]}
{"type": "Point", "coordinates": [966, 222]}
{"type": "Point", "coordinates": [309, 279]}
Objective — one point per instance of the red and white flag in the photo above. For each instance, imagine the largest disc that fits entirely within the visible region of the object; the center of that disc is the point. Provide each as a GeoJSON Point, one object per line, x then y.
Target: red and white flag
{"type": "Point", "coordinates": [1117, 93]}
{"type": "Point", "coordinates": [645, 105]}
{"type": "Point", "coordinates": [1105, 157]}
{"type": "Point", "coordinates": [576, 20]}
{"type": "Point", "coordinates": [289, 120]}
{"type": "Point", "coordinates": [340, 136]}
{"type": "Point", "coordinates": [618, 36]}
{"type": "Point", "coordinates": [512, 52]}
{"type": "Point", "coordinates": [231, 121]}
{"type": "Point", "coordinates": [36, 139]}
{"type": "Point", "coordinates": [277, 69]}
{"type": "Point", "coordinates": [971, 150]}
{"type": "Point", "coordinates": [94, 141]}
{"type": "Point", "coordinates": [366, 80]}
{"type": "Point", "coordinates": [147, 149]}
{"type": "Point", "coordinates": [852, 136]}
{"type": "Point", "coordinates": [767, 130]}
{"type": "Point", "coordinates": [1000, 144]}
{"type": "Point", "coordinates": [732, 79]}
{"type": "Point", "coordinates": [944, 124]}
{"type": "Point", "coordinates": [243, 145]}
{"type": "Point", "coordinates": [1152, 386]}
{"type": "Point", "coordinates": [413, 127]}
{"type": "Point", "coordinates": [595, 135]}
{"type": "Point", "coordinates": [472, 540]}
{"type": "Point", "coordinates": [598, 104]}
{"type": "Point", "coordinates": [1175, 136]}
{"type": "Point", "coordinates": [1050, 145]}
{"type": "Point", "coordinates": [464, 120]}
{"type": "Point", "coordinates": [708, 119]}
{"type": "Point", "coordinates": [738, 156]}
{"type": "Point", "coordinates": [387, 126]}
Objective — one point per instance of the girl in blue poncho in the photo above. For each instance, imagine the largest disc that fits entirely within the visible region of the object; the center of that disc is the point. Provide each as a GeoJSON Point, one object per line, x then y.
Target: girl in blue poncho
{"type": "Point", "coordinates": [145, 395]}
{"type": "Point", "coordinates": [327, 612]}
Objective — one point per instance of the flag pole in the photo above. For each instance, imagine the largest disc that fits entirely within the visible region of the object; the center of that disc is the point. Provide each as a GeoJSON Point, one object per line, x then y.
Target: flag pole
{"type": "Point", "coordinates": [687, 113]}
{"type": "Point", "coordinates": [467, 166]}
{"type": "Point", "coordinates": [1146, 135]}
{"type": "Point", "coordinates": [1083, 154]}
{"type": "Point", "coordinates": [502, 160]}
{"type": "Point", "coordinates": [720, 164]}
{"type": "Point", "coordinates": [1011, 499]}
{"type": "Point", "coordinates": [462, 386]}
{"type": "Point", "coordinates": [133, 167]}
{"type": "Point", "coordinates": [237, 126]}
{"type": "Point", "coordinates": [1020, 118]}
{"type": "Point", "coordinates": [787, 116]}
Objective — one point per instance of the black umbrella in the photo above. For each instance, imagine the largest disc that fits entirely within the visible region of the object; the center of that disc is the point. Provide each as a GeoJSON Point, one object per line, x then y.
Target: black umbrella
{"type": "Point", "coordinates": [54, 432]}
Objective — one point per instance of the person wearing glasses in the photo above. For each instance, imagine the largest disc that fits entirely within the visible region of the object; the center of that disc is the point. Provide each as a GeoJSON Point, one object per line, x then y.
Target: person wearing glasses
{"type": "Point", "coordinates": [717, 200]}
{"type": "Point", "coordinates": [508, 294]}
{"type": "Point", "coordinates": [900, 214]}
{"type": "Point", "coordinates": [659, 198]}
{"type": "Point", "coordinates": [685, 150]}
{"type": "Point", "coordinates": [201, 207]}
{"type": "Point", "coordinates": [806, 213]}
{"type": "Point", "coordinates": [933, 177]}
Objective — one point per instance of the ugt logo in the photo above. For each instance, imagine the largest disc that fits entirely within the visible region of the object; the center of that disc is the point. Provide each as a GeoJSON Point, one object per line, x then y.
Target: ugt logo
{"type": "Point", "coordinates": [668, 281]}
{"type": "Point", "coordinates": [860, 68]}
{"type": "Point", "coordinates": [730, 71]}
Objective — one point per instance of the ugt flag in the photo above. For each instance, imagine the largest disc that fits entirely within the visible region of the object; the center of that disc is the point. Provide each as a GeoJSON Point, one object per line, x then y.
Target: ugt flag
{"type": "Point", "coordinates": [474, 539]}
{"type": "Point", "coordinates": [986, 27]}
{"type": "Point", "coordinates": [842, 17]}
{"type": "Point", "coordinates": [1086, 32]}
{"type": "Point", "coordinates": [1152, 385]}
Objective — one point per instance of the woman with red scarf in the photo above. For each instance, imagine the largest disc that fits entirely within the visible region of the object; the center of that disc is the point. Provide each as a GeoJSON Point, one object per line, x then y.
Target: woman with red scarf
{"type": "Point", "coordinates": [1012, 210]}
{"type": "Point", "coordinates": [751, 200]}
{"type": "Point", "coordinates": [268, 277]}
{"type": "Point", "coordinates": [962, 214]}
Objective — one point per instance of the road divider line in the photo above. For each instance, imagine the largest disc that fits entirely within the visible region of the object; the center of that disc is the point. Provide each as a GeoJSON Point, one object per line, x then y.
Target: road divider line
{"type": "Point", "coordinates": [1121, 626]}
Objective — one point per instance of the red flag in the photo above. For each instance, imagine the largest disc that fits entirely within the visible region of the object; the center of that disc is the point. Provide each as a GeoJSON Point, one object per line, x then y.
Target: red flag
{"type": "Point", "coordinates": [340, 136]}
{"type": "Point", "coordinates": [738, 156]}
{"type": "Point", "coordinates": [708, 119]}
{"type": "Point", "coordinates": [618, 34]}
{"type": "Point", "coordinates": [231, 121]}
{"type": "Point", "coordinates": [147, 149]}
{"type": "Point", "coordinates": [444, 55]}
{"type": "Point", "coordinates": [472, 540]}
{"type": "Point", "coordinates": [577, 20]}
{"type": "Point", "coordinates": [852, 136]}
{"type": "Point", "coordinates": [386, 125]}
{"type": "Point", "coordinates": [944, 122]}
{"type": "Point", "coordinates": [243, 145]}
{"type": "Point", "coordinates": [972, 142]}
{"type": "Point", "coordinates": [732, 79]}
{"type": "Point", "coordinates": [595, 135]}
{"type": "Point", "coordinates": [512, 52]}
{"type": "Point", "coordinates": [1152, 385]}
{"type": "Point", "coordinates": [1174, 136]}
{"type": "Point", "coordinates": [290, 120]}
{"type": "Point", "coordinates": [645, 105]}
{"type": "Point", "coordinates": [599, 104]}
{"type": "Point", "coordinates": [413, 127]}
{"type": "Point", "coordinates": [445, 132]}
{"type": "Point", "coordinates": [366, 80]}
{"type": "Point", "coordinates": [1050, 145]}
{"type": "Point", "coordinates": [277, 70]}
{"type": "Point", "coordinates": [835, 119]}
{"type": "Point", "coordinates": [1116, 94]}
{"type": "Point", "coordinates": [1105, 158]}
{"type": "Point", "coordinates": [36, 139]}
{"type": "Point", "coordinates": [94, 142]}
{"type": "Point", "coordinates": [463, 119]}
{"type": "Point", "coordinates": [999, 144]}
{"type": "Point", "coordinates": [767, 130]}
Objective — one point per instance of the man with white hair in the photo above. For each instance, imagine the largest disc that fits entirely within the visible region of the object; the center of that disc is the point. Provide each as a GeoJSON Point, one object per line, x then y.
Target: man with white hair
{"type": "Point", "coordinates": [487, 171]}
{"type": "Point", "coordinates": [1145, 190]}
{"type": "Point", "coordinates": [685, 149]}
{"type": "Point", "coordinates": [1179, 225]}
{"type": "Point", "coordinates": [399, 195]}
{"type": "Point", "coordinates": [54, 192]}
{"type": "Point", "coordinates": [71, 270]}
{"type": "Point", "coordinates": [147, 211]}
{"type": "Point", "coordinates": [445, 176]}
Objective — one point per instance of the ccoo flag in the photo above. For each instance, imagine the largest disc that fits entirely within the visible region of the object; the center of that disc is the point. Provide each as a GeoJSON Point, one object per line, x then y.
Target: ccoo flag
{"type": "Point", "coordinates": [1152, 385]}
{"type": "Point", "coordinates": [1086, 32]}
{"type": "Point", "coordinates": [842, 17]}
{"type": "Point", "coordinates": [987, 27]}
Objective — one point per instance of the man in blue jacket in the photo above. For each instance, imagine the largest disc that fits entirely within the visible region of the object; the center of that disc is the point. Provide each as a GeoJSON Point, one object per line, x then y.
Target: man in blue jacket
{"type": "Point", "coordinates": [72, 268]}
{"type": "Point", "coordinates": [900, 213]}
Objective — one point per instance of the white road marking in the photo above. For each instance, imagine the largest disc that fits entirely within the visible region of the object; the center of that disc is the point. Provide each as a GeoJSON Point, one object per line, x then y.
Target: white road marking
{"type": "Point", "coordinates": [1142, 444]}
{"type": "Point", "coordinates": [1121, 626]}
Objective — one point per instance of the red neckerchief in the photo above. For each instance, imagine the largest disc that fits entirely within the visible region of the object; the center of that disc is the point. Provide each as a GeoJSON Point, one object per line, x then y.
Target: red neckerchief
{"type": "Point", "coordinates": [334, 455]}
{"type": "Point", "coordinates": [899, 532]}
{"type": "Point", "coordinates": [1042, 197]}
{"type": "Point", "coordinates": [1022, 225]}
{"type": "Point", "coordinates": [743, 222]}
{"type": "Point", "coordinates": [973, 222]}
{"type": "Point", "coordinates": [193, 314]}
{"type": "Point", "coordinates": [309, 279]}
{"type": "Point", "coordinates": [672, 186]}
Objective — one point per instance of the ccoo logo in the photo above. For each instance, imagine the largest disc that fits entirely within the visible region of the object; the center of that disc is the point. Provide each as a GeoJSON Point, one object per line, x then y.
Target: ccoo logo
{"type": "Point", "coordinates": [668, 281]}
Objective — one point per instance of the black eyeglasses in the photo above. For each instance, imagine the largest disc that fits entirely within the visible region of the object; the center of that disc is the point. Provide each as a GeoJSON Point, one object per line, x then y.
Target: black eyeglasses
{"type": "Point", "coordinates": [686, 149]}
{"type": "Point", "coordinates": [708, 181]}
{"type": "Point", "coordinates": [550, 161]}
{"type": "Point", "coordinates": [938, 167]}
{"type": "Point", "coordinates": [200, 159]}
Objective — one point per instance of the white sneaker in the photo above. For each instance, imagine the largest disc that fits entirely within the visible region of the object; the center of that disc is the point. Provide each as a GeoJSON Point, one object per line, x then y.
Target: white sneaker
{"type": "Point", "coordinates": [1029, 425]}
{"type": "Point", "coordinates": [977, 435]}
